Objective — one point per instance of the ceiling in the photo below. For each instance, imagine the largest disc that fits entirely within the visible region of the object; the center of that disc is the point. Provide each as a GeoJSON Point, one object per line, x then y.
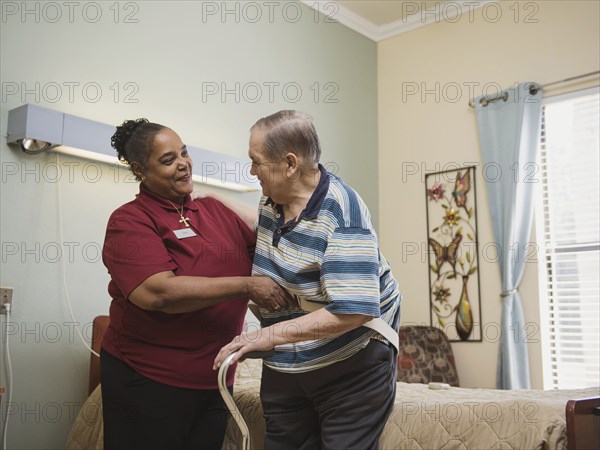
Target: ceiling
{"type": "Point", "coordinates": [384, 12]}
{"type": "Point", "coordinates": [381, 19]}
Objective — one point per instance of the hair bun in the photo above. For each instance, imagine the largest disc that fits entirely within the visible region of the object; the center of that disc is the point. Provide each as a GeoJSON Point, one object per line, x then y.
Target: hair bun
{"type": "Point", "coordinates": [119, 140]}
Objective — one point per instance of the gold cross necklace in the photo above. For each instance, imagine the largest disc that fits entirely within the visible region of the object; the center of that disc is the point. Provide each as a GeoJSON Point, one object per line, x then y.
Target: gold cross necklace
{"type": "Point", "coordinates": [182, 219]}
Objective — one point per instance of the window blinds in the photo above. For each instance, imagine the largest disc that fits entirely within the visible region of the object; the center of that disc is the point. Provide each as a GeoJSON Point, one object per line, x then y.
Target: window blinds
{"type": "Point", "coordinates": [570, 238]}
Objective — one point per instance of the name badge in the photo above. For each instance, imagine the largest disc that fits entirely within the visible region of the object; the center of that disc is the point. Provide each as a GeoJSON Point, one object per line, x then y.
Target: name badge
{"type": "Point", "coordinates": [184, 233]}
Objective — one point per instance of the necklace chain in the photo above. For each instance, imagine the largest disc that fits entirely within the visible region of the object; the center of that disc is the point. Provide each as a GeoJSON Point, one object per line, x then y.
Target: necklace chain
{"type": "Point", "coordinates": [182, 219]}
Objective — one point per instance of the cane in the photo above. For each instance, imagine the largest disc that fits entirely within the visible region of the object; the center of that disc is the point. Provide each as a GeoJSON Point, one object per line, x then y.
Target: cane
{"type": "Point", "coordinates": [228, 398]}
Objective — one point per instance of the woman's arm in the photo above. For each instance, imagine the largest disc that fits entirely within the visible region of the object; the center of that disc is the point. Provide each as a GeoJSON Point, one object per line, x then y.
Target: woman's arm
{"type": "Point", "coordinates": [320, 324]}
{"type": "Point", "coordinates": [168, 293]}
{"type": "Point", "coordinates": [248, 215]}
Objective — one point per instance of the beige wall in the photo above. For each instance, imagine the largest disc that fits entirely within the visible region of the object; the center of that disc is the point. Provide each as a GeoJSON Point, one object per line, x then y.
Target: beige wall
{"type": "Point", "coordinates": [436, 130]}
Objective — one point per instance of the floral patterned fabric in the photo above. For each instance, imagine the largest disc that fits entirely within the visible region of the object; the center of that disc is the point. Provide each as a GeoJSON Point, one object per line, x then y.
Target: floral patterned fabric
{"type": "Point", "coordinates": [425, 355]}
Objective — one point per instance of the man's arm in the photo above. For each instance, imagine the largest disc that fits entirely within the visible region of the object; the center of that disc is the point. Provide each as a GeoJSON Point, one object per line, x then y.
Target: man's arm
{"type": "Point", "coordinates": [320, 324]}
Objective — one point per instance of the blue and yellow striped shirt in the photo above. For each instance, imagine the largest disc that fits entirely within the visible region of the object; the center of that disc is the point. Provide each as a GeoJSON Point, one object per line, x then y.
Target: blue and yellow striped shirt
{"type": "Point", "coordinates": [329, 254]}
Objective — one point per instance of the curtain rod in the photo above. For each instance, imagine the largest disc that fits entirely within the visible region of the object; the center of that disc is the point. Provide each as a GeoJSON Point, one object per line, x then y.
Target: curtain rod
{"type": "Point", "coordinates": [533, 89]}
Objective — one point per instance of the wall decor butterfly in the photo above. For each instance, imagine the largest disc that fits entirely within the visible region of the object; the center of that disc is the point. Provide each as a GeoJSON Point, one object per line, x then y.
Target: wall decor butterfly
{"type": "Point", "coordinates": [445, 253]}
{"type": "Point", "coordinates": [454, 298]}
{"type": "Point", "coordinates": [462, 185]}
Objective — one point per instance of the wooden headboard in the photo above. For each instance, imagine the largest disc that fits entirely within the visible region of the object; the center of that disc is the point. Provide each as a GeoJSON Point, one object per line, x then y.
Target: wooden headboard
{"type": "Point", "coordinates": [98, 328]}
{"type": "Point", "coordinates": [583, 423]}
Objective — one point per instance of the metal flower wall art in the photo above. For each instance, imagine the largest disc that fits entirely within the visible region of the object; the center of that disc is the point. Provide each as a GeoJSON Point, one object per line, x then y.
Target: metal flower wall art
{"type": "Point", "coordinates": [453, 254]}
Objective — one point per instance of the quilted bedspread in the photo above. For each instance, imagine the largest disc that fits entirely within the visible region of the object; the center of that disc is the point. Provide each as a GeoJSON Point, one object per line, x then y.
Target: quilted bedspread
{"type": "Point", "coordinates": [422, 418]}
{"type": "Point", "coordinates": [456, 418]}
{"type": "Point", "coordinates": [460, 418]}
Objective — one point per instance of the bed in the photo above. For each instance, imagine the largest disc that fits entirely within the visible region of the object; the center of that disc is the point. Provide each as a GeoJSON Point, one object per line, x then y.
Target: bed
{"type": "Point", "coordinates": [456, 418]}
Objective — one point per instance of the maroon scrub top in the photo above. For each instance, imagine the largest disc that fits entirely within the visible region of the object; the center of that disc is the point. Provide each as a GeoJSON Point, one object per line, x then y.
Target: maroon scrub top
{"type": "Point", "coordinates": [174, 349]}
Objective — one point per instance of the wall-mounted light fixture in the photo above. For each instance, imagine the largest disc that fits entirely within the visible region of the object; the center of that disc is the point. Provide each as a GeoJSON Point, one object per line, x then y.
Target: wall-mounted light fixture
{"type": "Point", "coordinates": [36, 129]}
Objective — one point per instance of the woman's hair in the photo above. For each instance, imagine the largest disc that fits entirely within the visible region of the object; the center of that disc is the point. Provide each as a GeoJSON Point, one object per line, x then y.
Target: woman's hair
{"type": "Point", "coordinates": [133, 141]}
{"type": "Point", "coordinates": [290, 131]}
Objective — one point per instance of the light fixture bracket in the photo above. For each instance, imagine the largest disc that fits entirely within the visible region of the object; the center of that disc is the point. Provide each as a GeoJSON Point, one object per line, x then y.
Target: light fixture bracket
{"type": "Point", "coordinates": [36, 129]}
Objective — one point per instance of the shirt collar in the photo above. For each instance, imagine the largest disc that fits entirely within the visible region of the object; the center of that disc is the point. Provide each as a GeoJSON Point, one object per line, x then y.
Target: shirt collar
{"type": "Point", "coordinates": [316, 199]}
{"type": "Point", "coordinates": [188, 203]}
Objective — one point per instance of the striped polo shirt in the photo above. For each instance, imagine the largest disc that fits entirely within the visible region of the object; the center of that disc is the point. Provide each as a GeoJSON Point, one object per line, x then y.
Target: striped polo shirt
{"type": "Point", "coordinates": [329, 255]}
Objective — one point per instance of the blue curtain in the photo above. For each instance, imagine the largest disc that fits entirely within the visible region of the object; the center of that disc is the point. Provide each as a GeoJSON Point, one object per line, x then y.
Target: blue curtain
{"type": "Point", "coordinates": [508, 137]}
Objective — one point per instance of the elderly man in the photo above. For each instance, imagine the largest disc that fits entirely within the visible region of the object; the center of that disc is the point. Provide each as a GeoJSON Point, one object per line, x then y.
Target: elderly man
{"type": "Point", "coordinates": [331, 381]}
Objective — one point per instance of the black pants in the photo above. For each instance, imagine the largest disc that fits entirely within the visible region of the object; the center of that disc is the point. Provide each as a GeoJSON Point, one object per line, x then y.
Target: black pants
{"type": "Point", "coordinates": [341, 406]}
{"type": "Point", "coordinates": [143, 414]}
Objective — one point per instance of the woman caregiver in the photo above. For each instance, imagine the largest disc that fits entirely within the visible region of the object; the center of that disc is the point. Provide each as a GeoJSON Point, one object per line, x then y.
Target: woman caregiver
{"type": "Point", "coordinates": [180, 286]}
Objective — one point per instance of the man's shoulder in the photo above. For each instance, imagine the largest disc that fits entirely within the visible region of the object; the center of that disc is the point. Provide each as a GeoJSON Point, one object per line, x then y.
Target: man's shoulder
{"type": "Point", "coordinates": [342, 192]}
{"type": "Point", "coordinates": [345, 204]}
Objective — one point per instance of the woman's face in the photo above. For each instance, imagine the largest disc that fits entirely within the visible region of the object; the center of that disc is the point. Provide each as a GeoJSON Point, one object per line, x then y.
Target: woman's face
{"type": "Point", "coordinates": [270, 174]}
{"type": "Point", "coordinates": [168, 171]}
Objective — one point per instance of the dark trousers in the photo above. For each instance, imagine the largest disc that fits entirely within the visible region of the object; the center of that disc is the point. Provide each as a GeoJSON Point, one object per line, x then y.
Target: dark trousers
{"type": "Point", "coordinates": [341, 406]}
{"type": "Point", "coordinates": [140, 413]}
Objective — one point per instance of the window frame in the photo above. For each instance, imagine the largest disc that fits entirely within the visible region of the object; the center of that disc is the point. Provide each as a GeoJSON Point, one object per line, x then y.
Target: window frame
{"type": "Point", "coordinates": [540, 220]}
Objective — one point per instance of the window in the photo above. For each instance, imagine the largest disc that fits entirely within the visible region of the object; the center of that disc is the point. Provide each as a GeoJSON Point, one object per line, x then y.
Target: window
{"type": "Point", "coordinates": [568, 230]}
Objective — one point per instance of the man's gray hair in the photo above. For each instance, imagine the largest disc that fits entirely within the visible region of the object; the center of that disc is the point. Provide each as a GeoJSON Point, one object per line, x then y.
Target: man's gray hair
{"type": "Point", "coordinates": [289, 131]}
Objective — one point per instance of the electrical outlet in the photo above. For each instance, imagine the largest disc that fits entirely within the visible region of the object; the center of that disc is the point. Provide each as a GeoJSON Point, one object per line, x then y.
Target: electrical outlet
{"type": "Point", "coordinates": [6, 294]}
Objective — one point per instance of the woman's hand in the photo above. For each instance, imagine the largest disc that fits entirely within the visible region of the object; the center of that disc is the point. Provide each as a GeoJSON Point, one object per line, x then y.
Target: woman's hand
{"type": "Point", "coordinates": [267, 294]}
{"type": "Point", "coordinates": [254, 341]}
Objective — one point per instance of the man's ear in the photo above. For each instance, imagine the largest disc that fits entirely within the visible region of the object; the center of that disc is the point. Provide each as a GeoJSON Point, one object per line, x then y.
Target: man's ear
{"type": "Point", "coordinates": [292, 160]}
